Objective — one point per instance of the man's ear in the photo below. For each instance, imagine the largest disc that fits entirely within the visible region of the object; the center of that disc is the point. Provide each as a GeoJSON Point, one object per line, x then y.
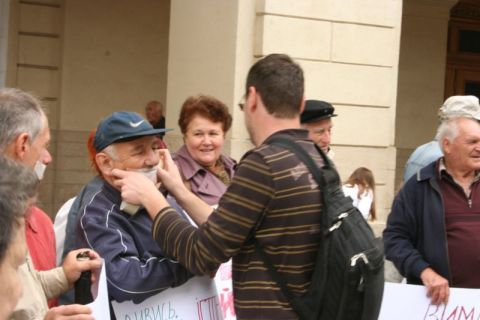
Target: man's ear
{"type": "Point", "coordinates": [446, 144]}
{"type": "Point", "coordinates": [252, 98]}
{"type": "Point", "coordinates": [104, 163]}
{"type": "Point", "coordinates": [21, 146]}
{"type": "Point", "coordinates": [302, 105]}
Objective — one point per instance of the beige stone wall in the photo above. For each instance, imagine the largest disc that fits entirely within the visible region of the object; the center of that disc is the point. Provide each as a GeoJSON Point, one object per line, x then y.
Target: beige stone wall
{"type": "Point", "coordinates": [114, 58]}
{"type": "Point", "coordinates": [210, 51]}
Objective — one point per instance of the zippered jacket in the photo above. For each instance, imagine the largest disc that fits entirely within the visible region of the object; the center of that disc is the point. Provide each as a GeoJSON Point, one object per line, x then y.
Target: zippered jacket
{"type": "Point", "coordinates": [415, 236]}
{"type": "Point", "coordinates": [136, 268]}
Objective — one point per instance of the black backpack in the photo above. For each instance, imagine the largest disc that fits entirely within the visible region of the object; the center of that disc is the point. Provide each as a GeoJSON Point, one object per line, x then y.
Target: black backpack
{"type": "Point", "coordinates": [348, 278]}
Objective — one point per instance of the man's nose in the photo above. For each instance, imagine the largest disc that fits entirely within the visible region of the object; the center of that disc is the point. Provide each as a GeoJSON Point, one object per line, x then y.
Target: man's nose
{"type": "Point", "coordinates": [327, 136]}
{"type": "Point", "coordinates": [153, 158]}
{"type": "Point", "coordinates": [477, 147]}
{"type": "Point", "coordinates": [46, 157]}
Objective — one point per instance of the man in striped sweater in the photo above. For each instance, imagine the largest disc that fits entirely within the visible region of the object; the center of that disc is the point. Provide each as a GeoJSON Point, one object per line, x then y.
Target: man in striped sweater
{"type": "Point", "coordinates": [272, 199]}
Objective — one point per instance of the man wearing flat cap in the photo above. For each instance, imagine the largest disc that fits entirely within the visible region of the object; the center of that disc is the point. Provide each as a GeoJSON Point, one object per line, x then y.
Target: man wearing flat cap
{"type": "Point", "coordinates": [317, 119]}
{"type": "Point", "coordinates": [136, 267]}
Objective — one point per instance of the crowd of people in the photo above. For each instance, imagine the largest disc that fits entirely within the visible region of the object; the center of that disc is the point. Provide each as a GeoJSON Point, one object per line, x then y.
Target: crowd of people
{"type": "Point", "coordinates": [158, 217]}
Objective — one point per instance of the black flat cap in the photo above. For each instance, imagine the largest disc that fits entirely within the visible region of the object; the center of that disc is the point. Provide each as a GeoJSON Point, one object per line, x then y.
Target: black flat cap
{"type": "Point", "coordinates": [316, 110]}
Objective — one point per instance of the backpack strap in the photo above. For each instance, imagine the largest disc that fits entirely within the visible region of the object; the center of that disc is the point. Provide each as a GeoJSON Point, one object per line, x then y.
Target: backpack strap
{"type": "Point", "coordinates": [305, 157]}
{"type": "Point", "coordinates": [324, 177]}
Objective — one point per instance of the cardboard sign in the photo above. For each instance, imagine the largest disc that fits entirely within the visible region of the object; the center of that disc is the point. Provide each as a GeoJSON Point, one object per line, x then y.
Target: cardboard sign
{"type": "Point", "coordinates": [403, 301]}
{"type": "Point", "coordinates": [197, 299]}
{"type": "Point", "coordinates": [223, 282]}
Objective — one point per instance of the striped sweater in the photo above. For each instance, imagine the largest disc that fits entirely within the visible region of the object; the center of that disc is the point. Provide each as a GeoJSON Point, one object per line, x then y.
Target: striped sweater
{"type": "Point", "coordinates": [273, 199]}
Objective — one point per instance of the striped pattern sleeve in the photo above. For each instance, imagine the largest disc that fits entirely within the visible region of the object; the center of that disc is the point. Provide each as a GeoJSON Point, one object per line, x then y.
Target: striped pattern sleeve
{"type": "Point", "coordinates": [274, 199]}
{"type": "Point", "coordinates": [202, 250]}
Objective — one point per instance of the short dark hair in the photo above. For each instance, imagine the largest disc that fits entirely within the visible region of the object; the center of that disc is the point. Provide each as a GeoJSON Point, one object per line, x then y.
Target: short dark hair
{"type": "Point", "coordinates": [279, 81]}
{"type": "Point", "coordinates": [18, 184]}
{"type": "Point", "coordinates": [205, 106]}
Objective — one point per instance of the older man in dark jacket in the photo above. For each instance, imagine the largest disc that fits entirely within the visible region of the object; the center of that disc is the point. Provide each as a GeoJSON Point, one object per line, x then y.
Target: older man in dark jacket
{"type": "Point", "coordinates": [136, 267]}
{"type": "Point", "coordinates": [432, 233]}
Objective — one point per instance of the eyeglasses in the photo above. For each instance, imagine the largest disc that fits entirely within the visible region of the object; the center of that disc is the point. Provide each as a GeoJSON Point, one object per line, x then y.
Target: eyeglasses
{"type": "Point", "coordinates": [241, 104]}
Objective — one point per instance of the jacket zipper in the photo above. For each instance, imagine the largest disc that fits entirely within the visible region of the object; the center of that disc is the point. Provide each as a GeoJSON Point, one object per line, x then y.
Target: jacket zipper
{"type": "Point", "coordinates": [437, 189]}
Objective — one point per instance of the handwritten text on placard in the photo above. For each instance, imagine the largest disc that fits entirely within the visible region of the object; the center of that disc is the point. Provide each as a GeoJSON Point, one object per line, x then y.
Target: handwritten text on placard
{"type": "Point", "coordinates": [195, 300]}
{"type": "Point", "coordinates": [403, 301]}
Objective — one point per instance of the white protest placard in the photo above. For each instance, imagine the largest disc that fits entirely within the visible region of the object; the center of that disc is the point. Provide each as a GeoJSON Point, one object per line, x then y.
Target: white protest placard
{"type": "Point", "coordinates": [403, 301]}
{"type": "Point", "coordinates": [197, 299]}
{"type": "Point", "coordinates": [223, 282]}
{"type": "Point", "coordinates": [100, 308]}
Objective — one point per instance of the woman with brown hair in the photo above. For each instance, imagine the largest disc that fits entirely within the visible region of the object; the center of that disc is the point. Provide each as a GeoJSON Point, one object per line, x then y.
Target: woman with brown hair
{"type": "Point", "coordinates": [204, 121]}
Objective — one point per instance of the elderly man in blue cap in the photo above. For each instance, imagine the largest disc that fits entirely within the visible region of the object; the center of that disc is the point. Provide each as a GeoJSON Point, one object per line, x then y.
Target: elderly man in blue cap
{"type": "Point", "coordinates": [317, 119]}
{"type": "Point", "coordinates": [136, 267]}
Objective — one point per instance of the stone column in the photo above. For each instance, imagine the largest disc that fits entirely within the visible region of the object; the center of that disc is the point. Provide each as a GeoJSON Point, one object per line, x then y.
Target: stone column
{"type": "Point", "coordinates": [210, 51]}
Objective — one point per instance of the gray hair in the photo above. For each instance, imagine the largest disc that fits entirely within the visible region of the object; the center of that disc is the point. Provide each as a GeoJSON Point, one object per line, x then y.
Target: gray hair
{"type": "Point", "coordinates": [20, 112]}
{"type": "Point", "coordinates": [447, 129]}
{"type": "Point", "coordinates": [18, 185]}
{"type": "Point", "coordinates": [111, 151]}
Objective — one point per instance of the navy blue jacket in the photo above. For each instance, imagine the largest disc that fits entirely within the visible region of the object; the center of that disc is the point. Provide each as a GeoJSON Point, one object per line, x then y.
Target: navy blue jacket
{"type": "Point", "coordinates": [85, 195]}
{"type": "Point", "coordinates": [136, 267]}
{"type": "Point", "coordinates": [415, 236]}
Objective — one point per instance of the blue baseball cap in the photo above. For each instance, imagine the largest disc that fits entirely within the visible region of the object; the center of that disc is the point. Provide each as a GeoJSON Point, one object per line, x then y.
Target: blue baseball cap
{"type": "Point", "coordinates": [120, 126]}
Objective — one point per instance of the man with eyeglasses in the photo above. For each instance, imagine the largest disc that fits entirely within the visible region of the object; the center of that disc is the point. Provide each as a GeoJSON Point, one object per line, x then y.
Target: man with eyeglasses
{"type": "Point", "coordinates": [259, 203]}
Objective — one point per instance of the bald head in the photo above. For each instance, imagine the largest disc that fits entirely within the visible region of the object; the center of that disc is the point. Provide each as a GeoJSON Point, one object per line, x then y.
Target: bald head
{"type": "Point", "coordinates": [154, 111]}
